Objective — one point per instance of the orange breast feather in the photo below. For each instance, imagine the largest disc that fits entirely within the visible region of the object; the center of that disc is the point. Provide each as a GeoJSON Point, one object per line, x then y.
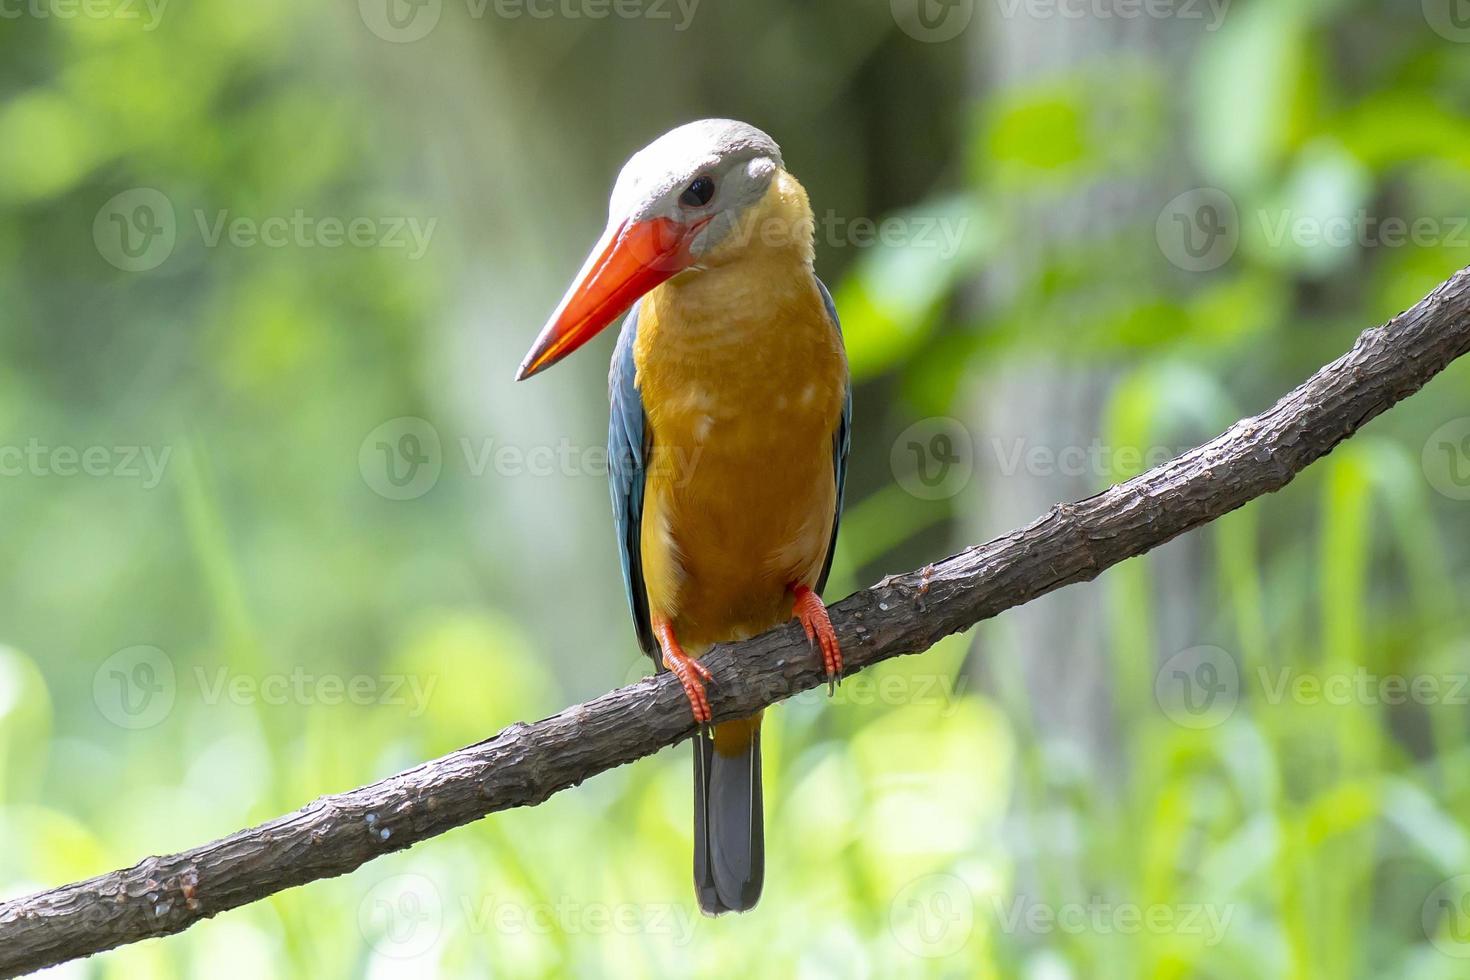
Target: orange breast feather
{"type": "Point", "coordinates": [743, 398]}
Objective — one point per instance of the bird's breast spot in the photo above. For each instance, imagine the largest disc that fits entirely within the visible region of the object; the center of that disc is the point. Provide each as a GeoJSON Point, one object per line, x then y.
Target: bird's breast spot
{"type": "Point", "coordinates": [699, 399]}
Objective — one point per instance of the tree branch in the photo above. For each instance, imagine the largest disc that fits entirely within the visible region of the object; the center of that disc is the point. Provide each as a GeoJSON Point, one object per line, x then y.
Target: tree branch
{"type": "Point", "coordinates": [525, 764]}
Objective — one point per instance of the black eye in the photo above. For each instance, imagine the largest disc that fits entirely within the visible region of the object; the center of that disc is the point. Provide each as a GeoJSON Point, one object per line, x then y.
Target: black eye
{"type": "Point", "coordinates": [699, 193]}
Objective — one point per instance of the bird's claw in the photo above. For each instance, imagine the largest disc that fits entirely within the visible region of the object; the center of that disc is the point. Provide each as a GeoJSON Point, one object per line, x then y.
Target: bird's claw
{"type": "Point", "coordinates": [692, 674]}
{"type": "Point", "coordinates": [812, 614]}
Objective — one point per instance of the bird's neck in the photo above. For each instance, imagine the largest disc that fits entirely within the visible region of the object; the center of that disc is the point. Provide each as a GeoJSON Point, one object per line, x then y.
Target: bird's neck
{"type": "Point", "coordinates": [763, 265]}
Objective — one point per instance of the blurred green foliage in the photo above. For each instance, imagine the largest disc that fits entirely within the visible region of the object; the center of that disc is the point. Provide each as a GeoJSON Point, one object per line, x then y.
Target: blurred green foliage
{"type": "Point", "coordinates": [180, 653]}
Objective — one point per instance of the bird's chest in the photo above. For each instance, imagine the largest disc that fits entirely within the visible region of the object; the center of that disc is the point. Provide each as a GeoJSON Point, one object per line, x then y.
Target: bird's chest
{"type": "Point", "coordinates": [750, 410]}
{"type": "Point", "coordinates": [741, 489]}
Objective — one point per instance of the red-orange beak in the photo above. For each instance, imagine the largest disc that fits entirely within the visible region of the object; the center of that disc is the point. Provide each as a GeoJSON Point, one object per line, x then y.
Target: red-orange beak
{"type": "Point", "coordinates": [630, 260]}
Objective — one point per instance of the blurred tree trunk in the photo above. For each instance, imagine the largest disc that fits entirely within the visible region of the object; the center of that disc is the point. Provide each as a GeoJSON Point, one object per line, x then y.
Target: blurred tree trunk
{"type": "Point", "coordinates": [1050, 660]}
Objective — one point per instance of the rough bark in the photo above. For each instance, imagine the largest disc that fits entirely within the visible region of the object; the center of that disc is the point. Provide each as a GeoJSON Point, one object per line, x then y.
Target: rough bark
{"type": "Point", "coordinates": [526, 763]}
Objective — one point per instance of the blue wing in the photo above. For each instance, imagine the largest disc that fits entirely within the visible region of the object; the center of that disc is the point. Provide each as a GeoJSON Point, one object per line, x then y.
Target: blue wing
{"type": "Point", "coordinates": [841, 443]}
{"type": "Point", "coordinates": [628, 449]}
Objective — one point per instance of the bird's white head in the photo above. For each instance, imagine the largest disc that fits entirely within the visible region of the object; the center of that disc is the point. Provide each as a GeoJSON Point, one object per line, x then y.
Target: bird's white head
{"type": "Point", "coordinates": [700, 177]}
{"type": "Point", "coordinates": [675, 203]}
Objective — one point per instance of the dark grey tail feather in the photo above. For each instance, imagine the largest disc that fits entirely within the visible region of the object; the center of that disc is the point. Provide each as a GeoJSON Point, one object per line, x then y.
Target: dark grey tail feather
{"type": "Point", "coordinates": [729, 827]}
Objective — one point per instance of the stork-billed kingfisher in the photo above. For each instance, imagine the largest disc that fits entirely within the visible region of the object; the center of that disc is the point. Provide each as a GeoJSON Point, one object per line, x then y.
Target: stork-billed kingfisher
{"type": "Point", "coordinates": [728, 436]}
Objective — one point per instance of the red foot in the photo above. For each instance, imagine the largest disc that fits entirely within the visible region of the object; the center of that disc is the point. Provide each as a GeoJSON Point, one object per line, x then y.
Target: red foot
{"type": "Point", "coordinates": [818, 626]}
{"type": "Point", "coordinates": [691, 673]}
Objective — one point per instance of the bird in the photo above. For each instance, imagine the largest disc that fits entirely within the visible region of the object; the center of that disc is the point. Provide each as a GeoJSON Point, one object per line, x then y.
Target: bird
{"type": "Point", "coordinates": [728, 438]}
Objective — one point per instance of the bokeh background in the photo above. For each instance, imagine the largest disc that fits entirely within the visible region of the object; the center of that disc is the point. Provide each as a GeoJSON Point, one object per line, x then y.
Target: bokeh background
{"type": "Point", "coordinates": [274, 521]}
